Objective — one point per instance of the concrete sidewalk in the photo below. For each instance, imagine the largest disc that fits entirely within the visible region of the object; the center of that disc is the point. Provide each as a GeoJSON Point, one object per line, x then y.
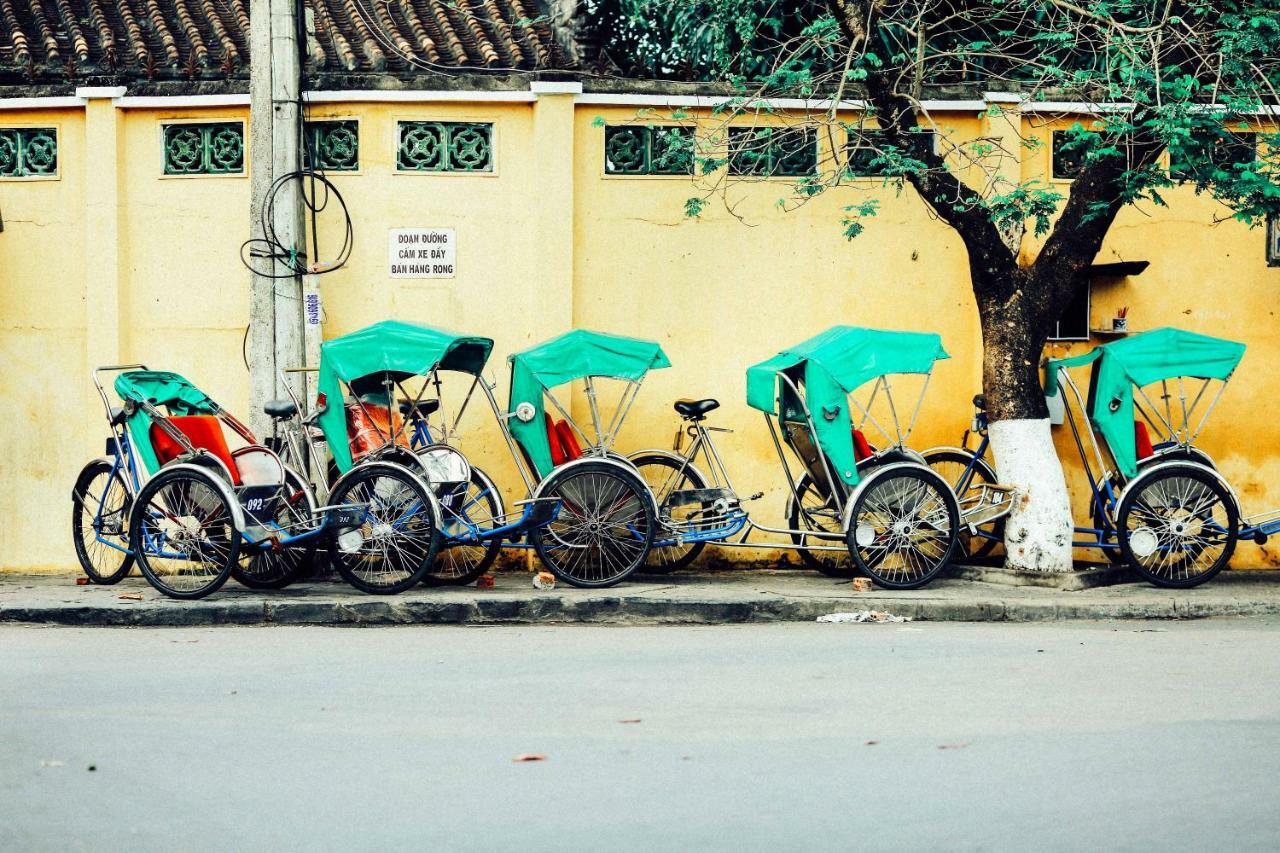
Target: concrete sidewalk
{"type": "Point", "coordinates": [683, 598]}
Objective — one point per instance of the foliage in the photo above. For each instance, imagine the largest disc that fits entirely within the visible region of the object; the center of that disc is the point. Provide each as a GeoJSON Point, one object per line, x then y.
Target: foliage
{"type": "Point", "coordinates": [1186, 78]}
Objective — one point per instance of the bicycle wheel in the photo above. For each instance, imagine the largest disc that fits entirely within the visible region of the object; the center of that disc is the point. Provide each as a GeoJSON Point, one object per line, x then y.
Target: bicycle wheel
{"type": "Point", "coordinates": [183, 534]}
{"type": "Point", "coordinates": [399, 536]}
{"type": "Point", "coordinates": [604, 529]}
{"type": "Point", "coordinates": [902, 528]}
{"type": "Point", "coordinates": [1178, 528]}
{"type": "Point", "coordinates": [664, 475]}
{"type": "Point", "coordinates": [952, 465]}
{"type": "Point", "coordinates": [276, 569]}
{"type": "Point", "coordinates": [809, 509]}
{"type": "Point", "coordinates": [476, 503]}
{"type": "Point", "coordinates": [100, 505]}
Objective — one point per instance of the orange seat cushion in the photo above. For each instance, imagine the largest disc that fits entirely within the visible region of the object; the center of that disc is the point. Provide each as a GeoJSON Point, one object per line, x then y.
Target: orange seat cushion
{"type": "Point", "coordinates": [370, 426]}
{"type": "Point", "coordinates": [1142, 440]}
{"type": "Point", "coordinates": [203, 431]}
{"type": "Point", "coordinates": [553, 439]}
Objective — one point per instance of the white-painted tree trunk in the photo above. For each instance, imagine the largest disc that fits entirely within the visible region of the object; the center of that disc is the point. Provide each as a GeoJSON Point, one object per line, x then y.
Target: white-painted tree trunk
{"type": "Point", "coordinates": [1038, 530]}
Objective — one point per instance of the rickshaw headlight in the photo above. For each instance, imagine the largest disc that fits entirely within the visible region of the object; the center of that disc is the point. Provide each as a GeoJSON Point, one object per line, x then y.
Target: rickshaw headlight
{"type": "Point", "coordinates": [525, 412]}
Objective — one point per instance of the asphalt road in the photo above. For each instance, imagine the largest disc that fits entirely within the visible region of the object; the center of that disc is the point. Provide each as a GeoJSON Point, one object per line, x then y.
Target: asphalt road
{"type": "Point", "coordinates": [1124, 736]}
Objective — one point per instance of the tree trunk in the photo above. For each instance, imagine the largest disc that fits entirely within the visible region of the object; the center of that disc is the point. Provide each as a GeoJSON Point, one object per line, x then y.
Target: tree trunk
{"type": "Point", "coordinates": [1038, 530]}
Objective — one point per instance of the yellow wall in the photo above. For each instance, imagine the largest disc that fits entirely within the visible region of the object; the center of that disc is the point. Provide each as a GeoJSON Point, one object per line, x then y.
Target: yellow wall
{"type": "Point", "coordinates": [545, 243]}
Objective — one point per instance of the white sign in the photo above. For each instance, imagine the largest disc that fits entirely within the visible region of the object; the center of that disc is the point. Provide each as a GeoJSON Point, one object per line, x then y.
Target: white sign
{"type": "Point", "coordinates": [422, 253]}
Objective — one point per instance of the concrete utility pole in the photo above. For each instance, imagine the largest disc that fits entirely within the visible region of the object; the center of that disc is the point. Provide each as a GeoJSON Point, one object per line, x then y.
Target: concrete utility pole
{"type": "Point", "coordinates": [275, 305]}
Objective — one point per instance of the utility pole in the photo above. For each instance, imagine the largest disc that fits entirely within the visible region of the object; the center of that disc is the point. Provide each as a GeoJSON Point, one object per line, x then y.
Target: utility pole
{"type": "Point", "coordinates": [275, 305]}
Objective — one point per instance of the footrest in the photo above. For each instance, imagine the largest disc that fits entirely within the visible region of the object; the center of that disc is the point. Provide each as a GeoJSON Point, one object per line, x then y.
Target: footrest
{"type": "Point", "coordinates": [343, 515]}
{"type": "Point", "coordinates": [988, 502]}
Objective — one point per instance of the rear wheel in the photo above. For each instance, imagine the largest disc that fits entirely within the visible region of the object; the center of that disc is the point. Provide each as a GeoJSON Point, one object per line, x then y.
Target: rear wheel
{"type": "Point", "coordinates": [183, 533]}
{"type": "Point", "coordinates": [272, 569]}
{"type": "Point", "coordinates": [809, 509]}
{"type": "Point", "coordinates": [398, 536]}
{"type": "Point", "coordinates": [956, 466]}
{"type": "Point", "coordinates": [100, 507]}
{"type": "Point", "coordinates": [1178, 527]}
{"type": "Point", "coordinates": [604, 527]}
{"type": "Point", "coordinates": [664, 475]}
{"type": "Point", "coordinates": [902, 527]}
{"type": "Point", "coordinates": [474, 504]}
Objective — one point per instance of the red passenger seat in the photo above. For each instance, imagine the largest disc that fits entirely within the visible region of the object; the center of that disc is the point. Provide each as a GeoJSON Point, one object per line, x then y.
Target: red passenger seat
{"type": "Point", "coordinates": [564, 444]}
{"type": "Point", "coordinates": [861, 447]}
{"type": "Point", "coordinates": [203, 431]}
{"type": "Point", "coordinates": [1142, 440]}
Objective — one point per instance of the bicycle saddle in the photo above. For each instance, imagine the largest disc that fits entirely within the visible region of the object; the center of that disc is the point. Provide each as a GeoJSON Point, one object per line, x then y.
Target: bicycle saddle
{"type": "Point", "coordinates": [696, 408]}
{"type": "Point", "coordinates": [423, 408]}
{"type": "Point", "coordinates": [280, 409]}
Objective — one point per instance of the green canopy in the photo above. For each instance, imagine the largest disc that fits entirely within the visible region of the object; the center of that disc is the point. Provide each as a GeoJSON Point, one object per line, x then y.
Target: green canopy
{"type": "Point", "coordinates": [831, 365]}
{"type": "Point", "coordinates": [1137, 361]}
{"type": "Point", "coordinates": [391, 347]}
{"type": "Point", "coordinates": [573, 355]}
{"type": "Point", "coordinates": [160, 388]}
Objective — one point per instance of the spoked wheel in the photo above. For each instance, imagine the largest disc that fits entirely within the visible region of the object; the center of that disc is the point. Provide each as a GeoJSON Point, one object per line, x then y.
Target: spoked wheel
{"type": "Point", "coordinates": [1178, 527]}
{"type": "Point", "coordinates": [902, 527]}
{"type": "Point", "coordinates": [477, 504]}
{"type": "Point", "coordinates": [811, 510]}
{"type": "Point", "coordinates": [957, 465]}
{"type": "Point", "coordinates": [604, 528]}
{"type": "Point", "coordinates": [100, 507]}
{"type": "Point", "coordinates": [664, 475]}
{"type": "Point", "coordinates": [398, 537]}
{"type": "Point", "coordinates": [183, 533]}
{"type": "Point", "coordinates": [276, 569]}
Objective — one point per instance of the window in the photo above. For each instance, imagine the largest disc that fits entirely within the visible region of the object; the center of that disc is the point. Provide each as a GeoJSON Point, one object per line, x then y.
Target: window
{"type": "Point", "coordinates": [870, 155]}
{"type": "Point", "coordinates": [1073, 325]}
{"type": "Point", "coordinates": [335, 145]}
{"type": "Point", "coordinates": [652, 150]}
{"type": "Point", "coordinates": [1068, 159]}
{"type": "Point", "coordinates": [204, 149]}
{"type": "Point", "coordinates": [1273, 241]}
{"type": "Point", "coordinates": [28, 152]}
{"type": "Point", "coordinates": [773, 151]}
{"type": "Point", "coordinates": [444, 146]}
{"type": "Point", "coordinates": [1225, 152]}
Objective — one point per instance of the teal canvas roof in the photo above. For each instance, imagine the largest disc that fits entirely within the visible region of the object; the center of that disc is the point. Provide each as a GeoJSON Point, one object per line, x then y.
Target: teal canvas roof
{"type": "Point", "coordinates": [395, 347]}
{"type": "Point", "coordinates": [1140, 360]}
{"type": "Point", "coordinates": [849, 356]}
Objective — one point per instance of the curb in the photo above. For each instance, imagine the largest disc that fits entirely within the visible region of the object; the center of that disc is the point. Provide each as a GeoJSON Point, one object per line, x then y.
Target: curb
{"type": "Point", "coordinates": [607, 610]}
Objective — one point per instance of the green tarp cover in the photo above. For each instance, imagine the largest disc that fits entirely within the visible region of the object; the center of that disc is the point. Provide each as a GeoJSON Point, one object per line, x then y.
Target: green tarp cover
{"type": "Point", "coordinates": [1140, 360]}
{"type": "Point", "coordinates": [573, 355]}
{"type": "Point", "coordinates": [832, 365]}
{"type": "Point", "coordinates": [160, 388]}
{"type": "Point", "coordinates": [392, 346]}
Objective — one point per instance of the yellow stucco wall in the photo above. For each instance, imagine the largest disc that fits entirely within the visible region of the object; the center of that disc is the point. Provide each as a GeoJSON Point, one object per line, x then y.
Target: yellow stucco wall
{"type": "Point", "coordinates": [545, 243]}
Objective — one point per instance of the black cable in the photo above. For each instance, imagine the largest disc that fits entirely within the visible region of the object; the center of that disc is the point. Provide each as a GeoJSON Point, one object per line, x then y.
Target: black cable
{"type": "Point", "coordinates": [294, 258]}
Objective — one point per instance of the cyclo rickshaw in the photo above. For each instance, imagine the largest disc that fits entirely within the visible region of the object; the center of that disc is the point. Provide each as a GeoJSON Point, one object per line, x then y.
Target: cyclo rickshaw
{"type": "Point", "coordinates": [883, 508]}
{"type": "Point", "coordinates": [429, 514]}
{"type": "Point", "coordinates": [1157, 501]}
{"type": "Point", "coordinates": [171, 494]}
{"type": "Point", "coordinates": [606, 519]}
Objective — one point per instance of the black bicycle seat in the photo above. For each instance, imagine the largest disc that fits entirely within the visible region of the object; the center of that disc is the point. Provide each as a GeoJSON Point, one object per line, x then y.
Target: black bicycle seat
{"type": "Point", "coordinates": [696, 408]}
{"type": "Point", "coordinates": [980, 401]}
{"type": "Point", "coordinates": [423, 408]}
{"type": "Point", "coordinates": [280, 409]}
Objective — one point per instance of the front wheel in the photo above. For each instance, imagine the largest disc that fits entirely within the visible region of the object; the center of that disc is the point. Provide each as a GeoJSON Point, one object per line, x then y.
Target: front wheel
{"type": "Point", "coordinates": [902, 526]}
{"type": "Point", "coordinates": [183, 533]}
{"type": "Point", "coordinates": [1178, 527]}
{"type": "Point", "coordinates": [276, 569]}
{"type": "Point", "coordinates": [811, 510]}
{"type": "Point", "coordinates": [966, 474]}
{"type": "Point", "coordinates": [100, 505]}
{"type": "Point", "coordinates": [468, 508]}
{"type": "Point", "coordinates": [398, 535]}
{"type": "Point", "coordinates": [604, 527]}
{"type": "Point", "coordinates": [664, 475]}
